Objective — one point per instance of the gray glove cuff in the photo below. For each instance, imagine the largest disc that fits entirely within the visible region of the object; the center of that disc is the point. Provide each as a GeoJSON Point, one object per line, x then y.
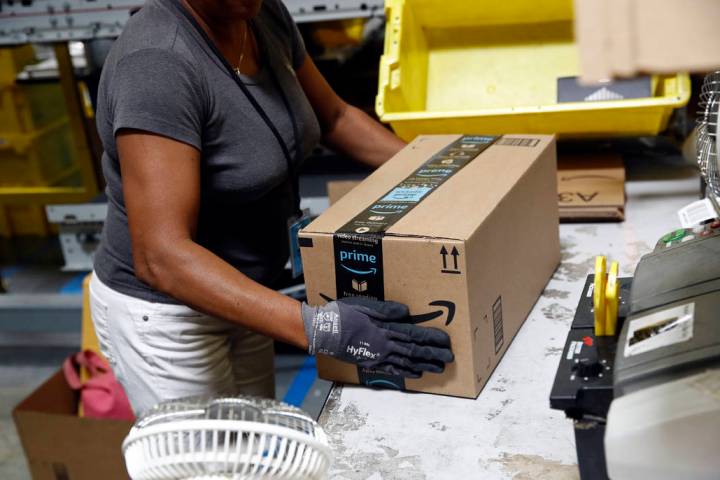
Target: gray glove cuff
{"type": "Point", "coordinates": [322, 328]}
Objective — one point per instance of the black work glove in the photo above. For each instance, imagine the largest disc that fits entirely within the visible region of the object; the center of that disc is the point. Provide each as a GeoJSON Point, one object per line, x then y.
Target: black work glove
{"type": "Point", "coordinates": [372, 334]}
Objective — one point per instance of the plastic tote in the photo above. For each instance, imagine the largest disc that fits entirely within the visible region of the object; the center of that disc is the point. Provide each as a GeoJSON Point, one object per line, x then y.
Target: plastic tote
{"type": "Point", "coordinates": [478, 66]}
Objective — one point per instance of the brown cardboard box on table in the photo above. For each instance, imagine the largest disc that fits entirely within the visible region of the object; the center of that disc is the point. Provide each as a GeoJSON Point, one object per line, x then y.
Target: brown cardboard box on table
{"type": "Point", "coordinates": [462, 229]}
{"type": "Point", "coordinates": [60, 445]}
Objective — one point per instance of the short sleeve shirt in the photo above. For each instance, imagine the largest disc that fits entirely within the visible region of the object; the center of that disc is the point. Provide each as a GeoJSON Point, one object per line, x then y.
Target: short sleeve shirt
{"type": "Point", "coordinates": [162, 77]}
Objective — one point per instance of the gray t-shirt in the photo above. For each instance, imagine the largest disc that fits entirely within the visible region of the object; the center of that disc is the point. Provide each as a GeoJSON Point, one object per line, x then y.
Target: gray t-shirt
{"type": "Point", "coordinates": [162, 77]}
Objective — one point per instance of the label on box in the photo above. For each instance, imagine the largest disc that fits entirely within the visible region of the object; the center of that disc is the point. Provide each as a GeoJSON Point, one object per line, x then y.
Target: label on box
{"type": "Point", "coordinates": [358, 266]}
{"type": "Point", "coordinates": [696, 213]}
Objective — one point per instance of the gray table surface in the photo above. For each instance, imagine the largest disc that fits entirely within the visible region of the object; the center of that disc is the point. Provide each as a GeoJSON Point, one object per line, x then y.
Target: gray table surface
{"type": "Point", "coordinates": [509, 431]}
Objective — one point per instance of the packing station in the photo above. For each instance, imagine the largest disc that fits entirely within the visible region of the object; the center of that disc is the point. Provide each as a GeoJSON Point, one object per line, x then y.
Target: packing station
{"type": "Point", "coordinates": [359, 240]}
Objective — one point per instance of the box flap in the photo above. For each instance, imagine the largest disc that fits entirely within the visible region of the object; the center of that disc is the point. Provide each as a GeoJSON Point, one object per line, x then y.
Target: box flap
{"type": "Point", "coordinates": [53, 396]}
{"type": "Point", "coordinates": [474, 188]}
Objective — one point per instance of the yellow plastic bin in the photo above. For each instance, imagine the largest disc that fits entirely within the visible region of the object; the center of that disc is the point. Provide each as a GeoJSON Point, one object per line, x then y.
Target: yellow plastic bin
{"type": "Point", "coordinates": [478, 66]}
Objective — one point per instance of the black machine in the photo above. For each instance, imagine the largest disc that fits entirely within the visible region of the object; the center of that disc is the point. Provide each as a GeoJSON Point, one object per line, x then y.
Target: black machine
{"type": "Point", "coordinates": [669, 333]}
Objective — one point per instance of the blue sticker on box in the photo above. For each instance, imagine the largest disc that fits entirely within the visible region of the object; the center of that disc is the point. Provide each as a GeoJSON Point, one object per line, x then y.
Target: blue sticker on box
{"type": "Point", "coordinates": [400, 194]}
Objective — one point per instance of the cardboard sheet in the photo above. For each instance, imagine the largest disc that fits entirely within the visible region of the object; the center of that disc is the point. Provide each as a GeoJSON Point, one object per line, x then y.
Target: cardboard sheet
{"type": "Point", "coordinates": [627, 37]}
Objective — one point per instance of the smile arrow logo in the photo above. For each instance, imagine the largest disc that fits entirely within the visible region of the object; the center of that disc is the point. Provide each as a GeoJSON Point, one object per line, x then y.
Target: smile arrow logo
{"type": "Point", "coordinates": [372, 271]}
{"type": "Point", "coordinates": [424, 317]}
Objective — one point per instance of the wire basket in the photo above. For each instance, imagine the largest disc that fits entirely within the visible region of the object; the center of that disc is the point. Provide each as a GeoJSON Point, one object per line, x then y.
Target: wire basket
{"type": "Point", "coordinates": [707, 132]}
{"type": "Point", "coordinates": [226, 438]}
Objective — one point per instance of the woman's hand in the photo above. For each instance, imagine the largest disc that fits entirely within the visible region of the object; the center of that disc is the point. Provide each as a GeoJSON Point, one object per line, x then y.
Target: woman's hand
{"type": "Point", "coordinates": [345, 128]}
{"type": "Point", "coordinates": [376, 335]}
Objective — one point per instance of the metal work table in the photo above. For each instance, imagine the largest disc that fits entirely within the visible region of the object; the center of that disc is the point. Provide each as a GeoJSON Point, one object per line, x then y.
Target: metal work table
{"type": "Point", "coordinates": [509, 431]}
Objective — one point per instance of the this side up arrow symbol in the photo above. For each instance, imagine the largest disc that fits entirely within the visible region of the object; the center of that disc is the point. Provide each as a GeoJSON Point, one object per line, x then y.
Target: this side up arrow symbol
{"type": "Point", "coordinates": [444, 252]}
{"type": "Point", "coordinates": [455, 254]}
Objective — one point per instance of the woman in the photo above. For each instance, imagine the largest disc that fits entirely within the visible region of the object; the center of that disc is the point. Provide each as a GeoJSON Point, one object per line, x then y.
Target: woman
{"type": "Point", "coordinates": [205, 110]}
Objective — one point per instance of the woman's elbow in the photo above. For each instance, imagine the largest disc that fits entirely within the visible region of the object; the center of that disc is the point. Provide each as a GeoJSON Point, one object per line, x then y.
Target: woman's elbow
{"type": "Point", "coordinates": [154, 267]}
{"type": "Point", "coordinates": [331, 125]}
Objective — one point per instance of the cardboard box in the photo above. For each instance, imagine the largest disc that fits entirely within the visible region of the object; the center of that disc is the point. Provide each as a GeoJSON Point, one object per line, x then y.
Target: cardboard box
{"type": "Point", "coordinates": [339, 188]}
{"type": "Point", "coordinates": [624, 37]}
{"type": "Point", "coordinates": [60, 445]}
{"type": "Point", "coordinates": [591, 188]}
{"type": "Point", "coordinates": [462, 229]}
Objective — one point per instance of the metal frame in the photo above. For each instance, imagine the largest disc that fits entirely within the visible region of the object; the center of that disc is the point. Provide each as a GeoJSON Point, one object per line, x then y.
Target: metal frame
{"type": "Point", "coordinates": [80, 226]}
{"type": "Point", "coordinates": [42, 21]}
{"type": "Point", "coordinates": [322, 10]}
{"type": "Point", "coordinates": [63, 20]}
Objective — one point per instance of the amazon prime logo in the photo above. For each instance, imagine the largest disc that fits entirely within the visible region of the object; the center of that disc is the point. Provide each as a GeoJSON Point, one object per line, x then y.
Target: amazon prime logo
{"type": "Point", "coordinates": [388, 208]}
{"type": "Point", "coordinates": [367, 262]}
{"type": "Point", "coordinates": [359, 265]}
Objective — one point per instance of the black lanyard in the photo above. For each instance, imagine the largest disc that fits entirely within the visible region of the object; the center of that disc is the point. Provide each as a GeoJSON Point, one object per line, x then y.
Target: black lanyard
{"type": "Point", "coordinates": [294, 184]}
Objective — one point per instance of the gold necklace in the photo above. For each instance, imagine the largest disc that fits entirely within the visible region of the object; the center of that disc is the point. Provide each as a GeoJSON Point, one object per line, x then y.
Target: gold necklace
{"type": "Point", "coordinates": [242, 50]}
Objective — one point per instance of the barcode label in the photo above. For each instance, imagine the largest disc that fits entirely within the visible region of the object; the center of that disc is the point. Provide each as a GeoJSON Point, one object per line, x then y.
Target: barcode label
{"type": "Point", "coordinates": [696, 213]}
{"type": "Point", "coordinates": [518, 142]}
{"type": "Point", "coordinates": [498, 323]}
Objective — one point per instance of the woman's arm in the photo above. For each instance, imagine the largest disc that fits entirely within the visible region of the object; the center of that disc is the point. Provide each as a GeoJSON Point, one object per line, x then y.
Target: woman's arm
{"type": "Point", "coordinates": [161, 186]}
{"type": "Point", "coordinates": [345, 128]}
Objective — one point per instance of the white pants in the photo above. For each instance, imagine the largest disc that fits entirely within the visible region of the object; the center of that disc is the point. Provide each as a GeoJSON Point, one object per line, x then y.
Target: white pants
{"type": "Point", "coordinates": [160, 351]}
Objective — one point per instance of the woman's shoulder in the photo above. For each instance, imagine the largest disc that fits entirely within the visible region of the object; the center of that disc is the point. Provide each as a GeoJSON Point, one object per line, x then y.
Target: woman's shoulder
{"type": "Point", "coordinates": [153, 29]}
{"type": "Point", "coordinates": [276, 13]}
{"type": "Point", "coordinates": [152, 53]}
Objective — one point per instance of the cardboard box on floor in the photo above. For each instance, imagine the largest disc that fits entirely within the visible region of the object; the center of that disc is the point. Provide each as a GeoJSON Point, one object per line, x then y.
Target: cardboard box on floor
{"type": "Point", "coordinates": [463, 231]}
{"type": "Point", "coordinates": [60, 445]}
{"type": "Point", "coordinates": [591, 187]}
